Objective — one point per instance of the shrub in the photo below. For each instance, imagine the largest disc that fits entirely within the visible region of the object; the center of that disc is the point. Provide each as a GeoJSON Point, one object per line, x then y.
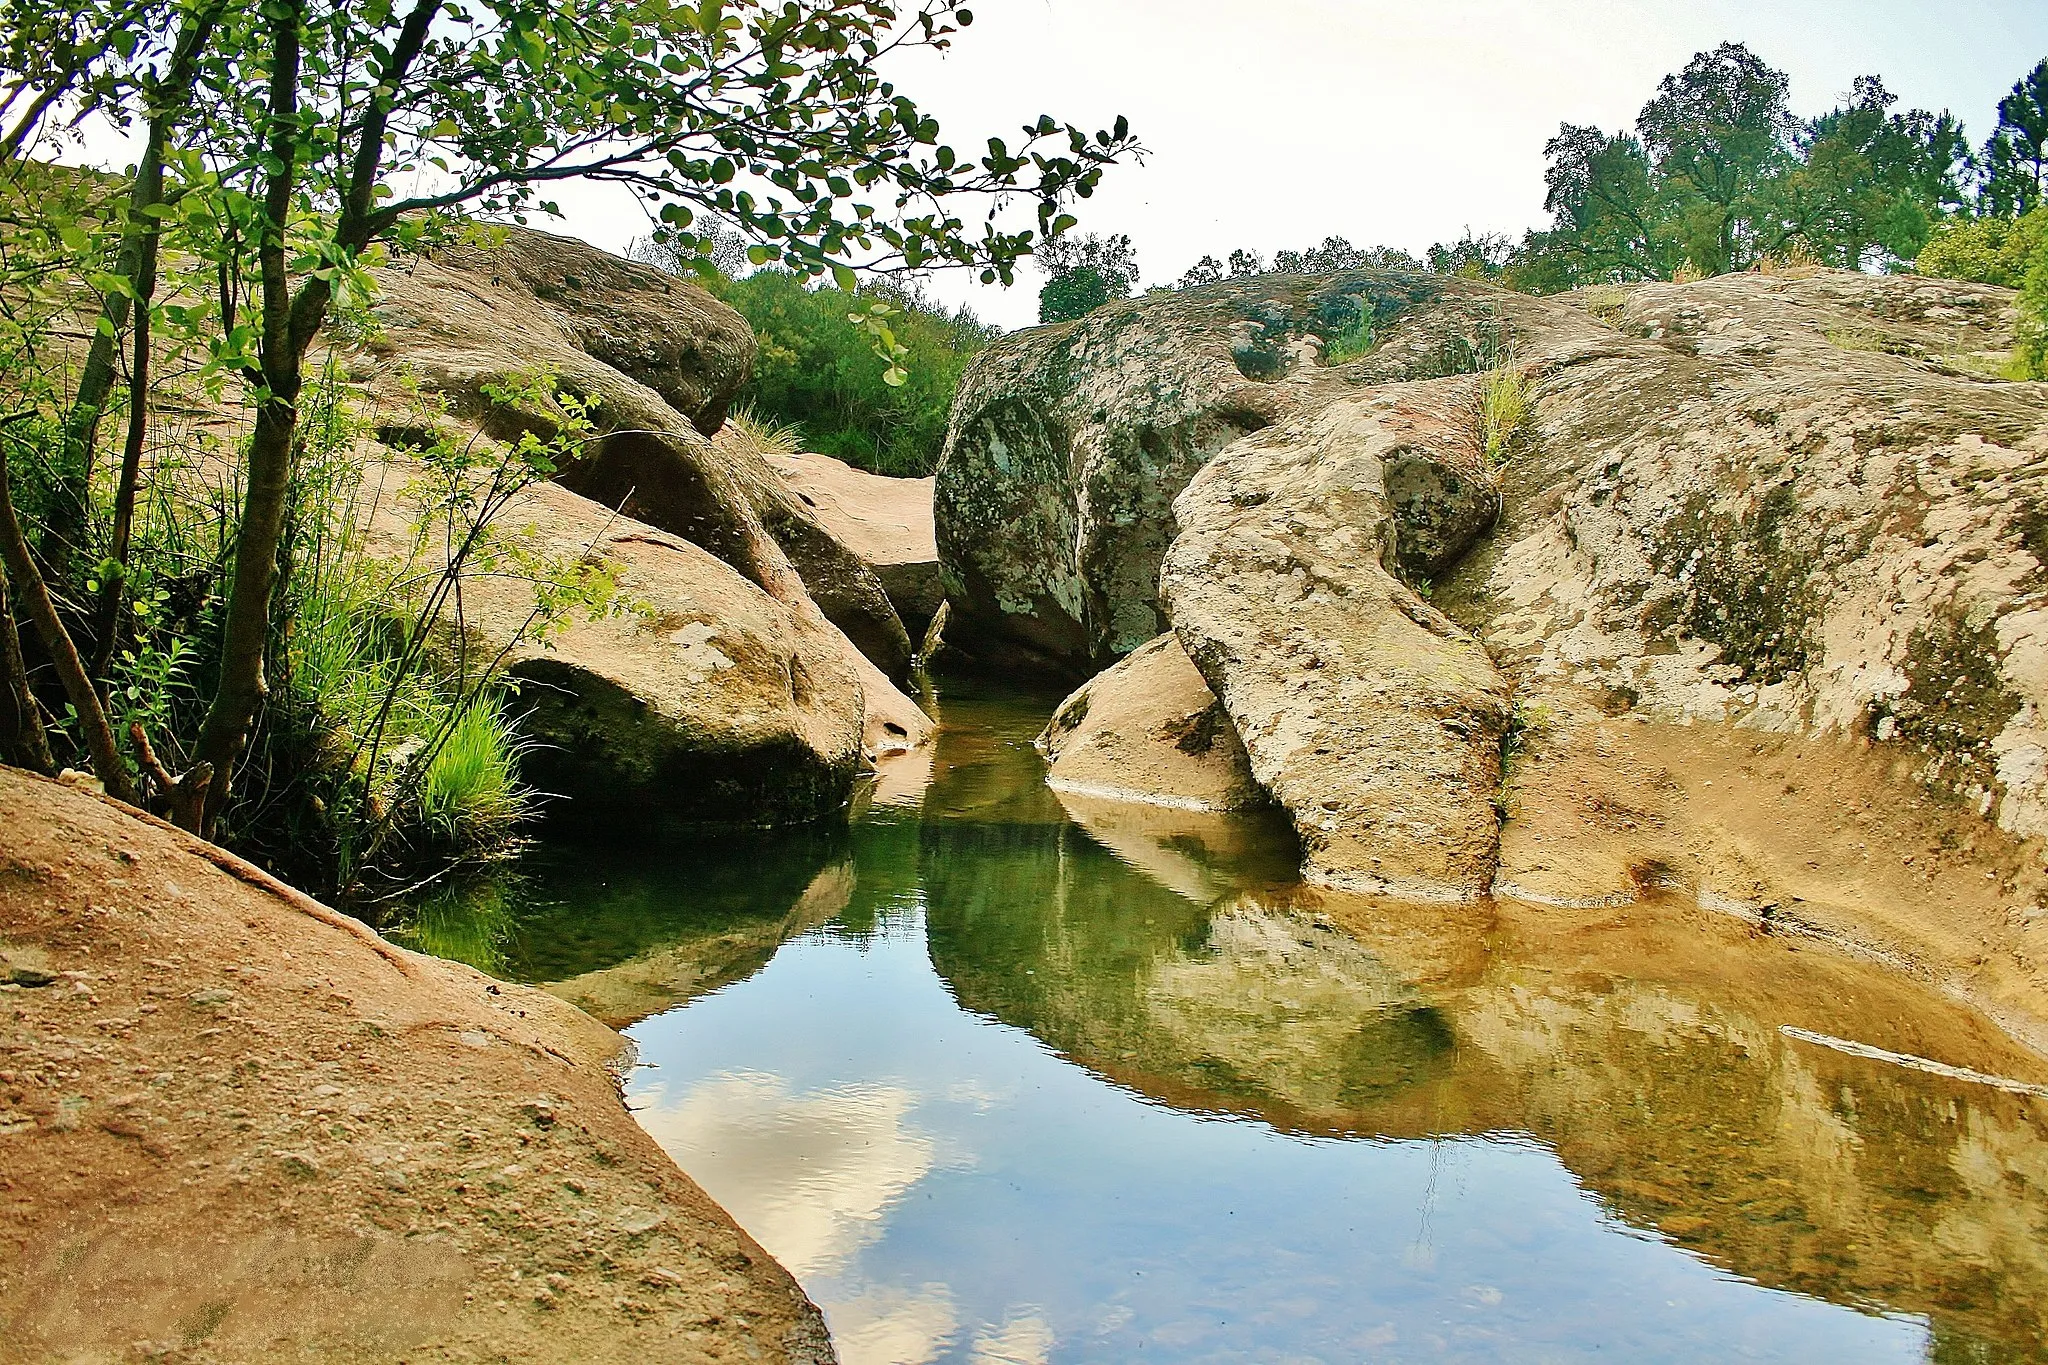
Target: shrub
{"type": "Point", "coordinates": [818, 371]}
{"type": "Point", "coordinates": [1985, 250]}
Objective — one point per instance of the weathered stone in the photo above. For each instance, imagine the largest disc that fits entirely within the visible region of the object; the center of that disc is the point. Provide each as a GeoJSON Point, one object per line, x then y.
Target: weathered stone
{"type": "Point", "coordinates": [760, 737]}
{"type": "Point", "coordinates": [664, 332]}
{"type": "Point", "coordinates": [1780, 503]}
{"type": "Point", "coordinates": [1375, 720]}
{"type": "Point", "coordinates": [1150, 730]}
{"type": "Point", "coordinates": [1068, 444]}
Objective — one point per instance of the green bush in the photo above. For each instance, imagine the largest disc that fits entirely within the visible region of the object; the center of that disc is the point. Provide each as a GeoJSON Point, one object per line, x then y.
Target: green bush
{"type": "Point", "coordinates": [1985, 250]}
{"type": "Point", "coordinates": [818, 371]}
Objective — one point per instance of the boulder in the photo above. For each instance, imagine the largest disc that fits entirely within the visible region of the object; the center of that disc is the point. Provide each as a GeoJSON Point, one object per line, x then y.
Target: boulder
{"type": "Point", "coordinates": [468, 320]}
{"type": "Point", "coordinates": [702, 700]}
{"type": "Point", "coordinates": [887, 522]}
{"type": "Point", "coordinates": [1069, 443]}
{"type": "Point", "coordinates": [1372, 717]}
{"type": "Point", "coordinates": [452, 330]}
{"type": "Point", "coordinates": [1149, 730]}
{"type": "Point", "coordinates": [1789, 505]}
{"type": "Point", "coordinates": [659, 330]}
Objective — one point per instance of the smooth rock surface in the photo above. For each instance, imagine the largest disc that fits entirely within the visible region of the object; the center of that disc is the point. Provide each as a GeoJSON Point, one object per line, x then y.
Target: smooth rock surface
{"type": "Point", "coordinates": [1150, 730]}
{"type": "Point", "coordinates": [887, 522]}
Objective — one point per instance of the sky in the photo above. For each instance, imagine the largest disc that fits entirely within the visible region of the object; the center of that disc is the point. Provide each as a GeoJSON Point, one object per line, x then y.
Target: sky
{"type": "Point", "coordinates": [1400, 122]}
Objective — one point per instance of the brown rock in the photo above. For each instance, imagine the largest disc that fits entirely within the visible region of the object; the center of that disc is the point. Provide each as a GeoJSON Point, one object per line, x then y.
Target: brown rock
{"type": "Point", "coordinates": [1149, 730]}
{"type": "Point", "coordinates": [886, 522]}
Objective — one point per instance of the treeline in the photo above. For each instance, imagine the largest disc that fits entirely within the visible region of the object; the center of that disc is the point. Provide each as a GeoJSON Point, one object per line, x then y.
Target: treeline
{"type": "Point", "coordinates": [1716, 175]}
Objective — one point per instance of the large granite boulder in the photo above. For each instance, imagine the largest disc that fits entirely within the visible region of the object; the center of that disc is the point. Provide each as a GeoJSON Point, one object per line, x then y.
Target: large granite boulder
{"type": "Point", "coordinates": [712, 542]}
{"type": "Point", "coordinates": [1785, 505]}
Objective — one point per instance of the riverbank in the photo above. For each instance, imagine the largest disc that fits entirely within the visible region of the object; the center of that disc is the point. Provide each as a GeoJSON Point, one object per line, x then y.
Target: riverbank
{"type": "Point", "coordinates": [235, 1126]}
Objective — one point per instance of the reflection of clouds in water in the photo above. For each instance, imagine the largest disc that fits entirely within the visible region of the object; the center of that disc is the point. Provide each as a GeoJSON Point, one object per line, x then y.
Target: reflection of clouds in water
{"type": "Point", "coordinates": [1023, 1340]}
{"type": "Point", "coordinates": [810, 1176]}
{"type": "Point", "coordinates": [884, 1325]}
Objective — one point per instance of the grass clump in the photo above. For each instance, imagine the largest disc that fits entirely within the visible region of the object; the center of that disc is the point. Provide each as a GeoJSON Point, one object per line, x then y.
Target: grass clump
{"type": "Point", "coordinates": [1501, 410]}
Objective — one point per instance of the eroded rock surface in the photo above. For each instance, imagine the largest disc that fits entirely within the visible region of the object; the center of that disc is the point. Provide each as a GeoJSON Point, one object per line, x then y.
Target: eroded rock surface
{"type": "Point", "coordinates": [887, 522]}
{"type": "Point", "coordinates": [1373, 718]}
{"type": "Point", "coordinates": [1784, 503]}
{"type": "Point", "coordinates": [1150, 730]}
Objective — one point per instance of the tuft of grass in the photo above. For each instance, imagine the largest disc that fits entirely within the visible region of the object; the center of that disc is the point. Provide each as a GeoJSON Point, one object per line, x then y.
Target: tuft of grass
{"type": "Point", "coordinates": [1352, 343]}
{"type": "Point", "coordinates": [1605, 302]}
{"type": "Point", "coordinates": [1528, 728]}
{"type": "Point", "coordinates": [1687, 273]}
{"type": "Point", "coordinates": [470, 793]}
{"type": "Point", "coordinates": [764, 434]}
{"type": "Point", "coordinates": [1501, 409]}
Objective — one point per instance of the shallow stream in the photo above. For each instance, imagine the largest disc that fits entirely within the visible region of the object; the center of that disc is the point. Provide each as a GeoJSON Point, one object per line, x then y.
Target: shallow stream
{"type": "Point", "coordinates": [1003, 1076]}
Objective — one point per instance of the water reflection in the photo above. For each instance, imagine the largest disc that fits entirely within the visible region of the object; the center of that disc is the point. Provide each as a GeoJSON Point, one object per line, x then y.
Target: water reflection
{"type": "Point", "coordinates": [1009, 1076]}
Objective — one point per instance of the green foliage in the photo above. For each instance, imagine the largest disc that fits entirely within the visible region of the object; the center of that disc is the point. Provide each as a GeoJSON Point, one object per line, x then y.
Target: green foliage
{"type": "Point", "coordinates": [1083, 274]}
{"type": "Point", "coordinates": [817, 369]}
{"type": "Point", "coordinates": [1718, 175]}
{"type": "Point", "coordinates": [470, 793]}
{"type": "Point", "coordinates": [2030, 352]}
{"type": "Point", "coordinates": [2016, 157]}
{"type": "Point", "coordinates": [1501, 410]}
{"type": "Point", "coordinates": [1986, 250]}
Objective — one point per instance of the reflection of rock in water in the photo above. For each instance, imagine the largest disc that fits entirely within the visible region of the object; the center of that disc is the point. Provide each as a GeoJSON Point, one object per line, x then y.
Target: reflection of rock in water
{"type": "Point", "coordinates": [1642, 1046]}
{"type": "Point", "coordinates": [1203, 855]}
{"type": "Point", "coordinates": [1277, 1007]}
{"type": "Point", "coordinates": [713, 951]}
{"type": "Point", "coordinates": [1258, 1011]}
{"type": "Point", "coordinates": [1789, 1165]}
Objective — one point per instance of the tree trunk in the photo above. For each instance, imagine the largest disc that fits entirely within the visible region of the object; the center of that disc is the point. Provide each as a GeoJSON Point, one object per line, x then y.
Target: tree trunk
{"type": "Point", "coordinates": [107, 626]}
{"type": "Point", "coordinates": [243, 687]}
{"type": "Point", "coordinates": [92, 717]}
{"type": "Point", "coordinates": [170, 98]}
{"type": "Point", "coordinates": [22, 739]}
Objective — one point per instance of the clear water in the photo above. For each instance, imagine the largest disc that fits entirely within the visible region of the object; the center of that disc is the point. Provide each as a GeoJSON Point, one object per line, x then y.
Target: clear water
{"type": "Point", "coordinates": [1005, 1081]}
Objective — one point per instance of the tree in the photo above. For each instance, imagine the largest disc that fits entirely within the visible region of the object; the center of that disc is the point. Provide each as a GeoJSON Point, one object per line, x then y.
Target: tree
{"type": "Point", "coordinates": [1869, 185]}
{"type": "Point", "coordinates": [2016, 157]}
{"type": "Point", "coordinates": [1084, 273]}
{"type": "Point", "coordinates": [1484, 256]}
{"type": "Point", "coordinates": [1718, 133]}
{"type": "Point", "coordinates": [1604, 208]}
{"type": "Point", "coordinates": [314, 112]}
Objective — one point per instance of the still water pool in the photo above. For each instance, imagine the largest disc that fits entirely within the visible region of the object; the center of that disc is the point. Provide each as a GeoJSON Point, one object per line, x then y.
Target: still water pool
{"type": "Point", "coordinates": [1003, 1077]}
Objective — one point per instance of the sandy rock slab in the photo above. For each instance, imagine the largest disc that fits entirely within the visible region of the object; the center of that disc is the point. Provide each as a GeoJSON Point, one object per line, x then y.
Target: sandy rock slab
{"type": "Point", "coordinates": [1150, 730]}
{"type": "Point", "coordinates": [886, 522]}
{"type": "Point", "coordinates": [235, 1126]}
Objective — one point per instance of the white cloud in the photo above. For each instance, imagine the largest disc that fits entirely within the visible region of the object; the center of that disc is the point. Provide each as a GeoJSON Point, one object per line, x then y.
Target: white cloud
{"type": "Point", "coordinates": [811, 1176]}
